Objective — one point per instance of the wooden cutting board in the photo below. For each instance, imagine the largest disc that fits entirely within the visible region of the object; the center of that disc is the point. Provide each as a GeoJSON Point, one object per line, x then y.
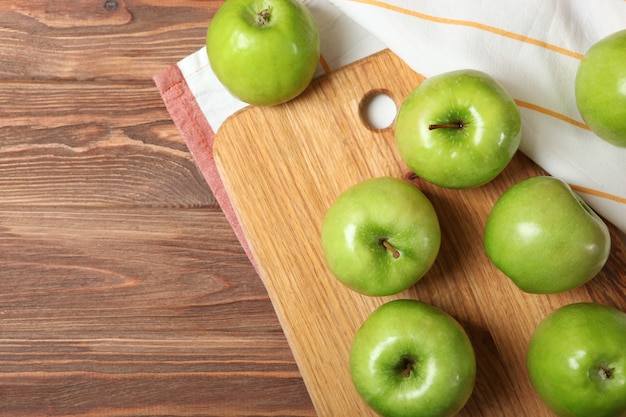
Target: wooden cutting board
{"type": "Point", "coordinates": [282, 168]}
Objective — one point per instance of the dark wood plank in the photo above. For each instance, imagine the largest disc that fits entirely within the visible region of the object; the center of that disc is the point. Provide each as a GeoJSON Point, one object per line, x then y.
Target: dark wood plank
{"type": "Point", "coordinates": [149, 311]}
{"type": "Point", "coordinates": [98, 39]}
{"type": "Point", "coordinates": [93, 144]}
{"type": "Point", "coordinates": [123, 290]}
{"type": "Point", "coordinates": [147, 394]}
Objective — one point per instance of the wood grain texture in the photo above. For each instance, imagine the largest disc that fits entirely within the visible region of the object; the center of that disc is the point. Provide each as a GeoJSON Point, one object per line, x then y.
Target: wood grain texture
{"type": "Point", "coordinates": [285, 165]}
{"type": "Point", "coordinates": [123, 290]}
{"type": "Point", "coordinates": [101, 40]}
{"type": "Point", "coordinates": [85, 138]}
{"type": "Point", "coordinates": [136, 312]}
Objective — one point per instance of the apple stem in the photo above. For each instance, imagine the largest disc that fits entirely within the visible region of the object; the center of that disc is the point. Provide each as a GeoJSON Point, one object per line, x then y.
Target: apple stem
{"type": "Point", "coordinates": [455, 125]}
{"type": "Point", "coordinates": [605, 373]}
{"type": "Point", "coordinates": [390, 248]}
{"type": "Point", "coordinates": [406, 367]}
{"type": "Point", "coordinates": [263, 17]}
{"type": "Point", "coordinates": [407, 370]}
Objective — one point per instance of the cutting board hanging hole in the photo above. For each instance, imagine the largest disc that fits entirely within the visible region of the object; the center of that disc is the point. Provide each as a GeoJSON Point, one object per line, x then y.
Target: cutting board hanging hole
{"type": "Point", "coordinates": [378, 110]}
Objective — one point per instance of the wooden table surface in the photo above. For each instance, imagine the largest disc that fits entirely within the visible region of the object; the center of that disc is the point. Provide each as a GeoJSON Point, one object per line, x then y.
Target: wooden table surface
{"type": "Point", "coordinates": [123, 290]}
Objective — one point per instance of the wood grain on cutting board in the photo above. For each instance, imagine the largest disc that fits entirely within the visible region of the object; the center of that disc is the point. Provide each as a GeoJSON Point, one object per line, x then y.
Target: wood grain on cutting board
{"type": "Point", "coordinates": [283, 166]}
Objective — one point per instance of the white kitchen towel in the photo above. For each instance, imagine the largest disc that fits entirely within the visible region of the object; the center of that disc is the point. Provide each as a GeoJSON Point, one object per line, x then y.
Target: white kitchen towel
{"type": "Point", "coordinates": [532, 48]}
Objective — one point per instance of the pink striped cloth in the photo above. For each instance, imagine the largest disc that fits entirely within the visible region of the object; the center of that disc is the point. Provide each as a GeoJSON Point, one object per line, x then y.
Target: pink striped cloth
{"type": "Point", "coordinates": [198, 136]}
{"type": "Point", "coordinates": [532, 48]}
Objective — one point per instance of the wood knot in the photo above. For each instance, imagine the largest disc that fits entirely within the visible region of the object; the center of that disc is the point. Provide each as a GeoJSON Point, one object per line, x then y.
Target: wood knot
{"type": "Point", "coordinates": [111, 5]}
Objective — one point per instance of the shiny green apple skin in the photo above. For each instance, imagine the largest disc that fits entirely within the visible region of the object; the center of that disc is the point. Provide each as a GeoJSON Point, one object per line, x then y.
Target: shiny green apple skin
{"type": "Point", "coordinates": [458, 157]}
{"type": "Point", "coordinates": [600, 88]}
{"type": "Point", "coordinates": [544, 237]}
{"type": "Point", "coordinates": [363, 218]}
{"type": "Point", "coordinates": [576, 361]}
{"type": "Point", "coordinates": [263, 63]}
{"type": "Point", "coordinates": [412, 359]}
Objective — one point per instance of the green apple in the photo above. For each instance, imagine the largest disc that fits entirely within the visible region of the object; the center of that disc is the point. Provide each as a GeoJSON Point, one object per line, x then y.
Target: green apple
{"type": "Point", "coordinates": [265, 52]}
{"type": "Point", "coordinates": [381, 236]}
{"type": "Point", "coordinates": [600, 88]}
{"type": "Point", "coordinates": [412, 359]}
{"type": "Point", "coordinates": [544, 237]}
{"type": "Point", "coordinates": [576, 361]}
{"type": "Point", "coordinates": [458, 129]}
